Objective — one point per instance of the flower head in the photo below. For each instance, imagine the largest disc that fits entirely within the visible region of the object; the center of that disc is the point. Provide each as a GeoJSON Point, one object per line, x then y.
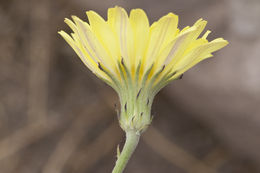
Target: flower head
{"type": "Point", "coordinates": [138, 59]}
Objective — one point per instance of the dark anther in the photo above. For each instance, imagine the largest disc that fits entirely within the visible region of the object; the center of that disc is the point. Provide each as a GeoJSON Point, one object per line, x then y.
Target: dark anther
{"type": "Point", "coordinates": [142, 114]}
{"type": "Point", "coordinates": [138, 93]}
{"type": "Point", "coordinates": [125, 106]}
{"type": "Point", "coordinates": [147, 101]}
{"type": "Point", "coordinates": [100, 67]}
{"type": "Point", "coordinates": [174, 73]}
{"type": "Point", "coordinates": [122, 62]}
{"type": "Point", "coordinates": [163, 68]}
{"type": "Point", "coordinates": [181, 76]}
{"type": "Point", "coordinates": [133, 119]}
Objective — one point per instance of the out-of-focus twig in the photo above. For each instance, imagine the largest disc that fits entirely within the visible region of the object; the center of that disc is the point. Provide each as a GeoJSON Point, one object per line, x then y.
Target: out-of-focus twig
{"type": "Point", "coordinates": [73, 135]}
{"type": "Point", "coordinates": [25, 136]}
{"type": "Point", "coordinates": [102, 145]}
{"type": "Point", "coordinates": [216, 158]}
{"type": "Point", "coordinates": [10, 164]}
{"type": "Point", "coordinates": [39, 55]}
{"type": "Point", "coordinates": [173, 153]}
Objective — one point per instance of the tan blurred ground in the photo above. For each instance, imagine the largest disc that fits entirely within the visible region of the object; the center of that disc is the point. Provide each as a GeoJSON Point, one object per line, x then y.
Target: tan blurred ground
{"type": "Point", "coordinates": [57, 117]}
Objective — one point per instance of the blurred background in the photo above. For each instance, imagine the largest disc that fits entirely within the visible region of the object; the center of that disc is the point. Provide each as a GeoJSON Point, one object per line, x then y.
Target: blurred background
{"type": "Point", "coordinates": [57, 117]}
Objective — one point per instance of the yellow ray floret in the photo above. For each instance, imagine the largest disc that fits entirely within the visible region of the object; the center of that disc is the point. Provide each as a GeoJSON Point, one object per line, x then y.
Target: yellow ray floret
{"type": "Point", "coordinates": [127, 50]}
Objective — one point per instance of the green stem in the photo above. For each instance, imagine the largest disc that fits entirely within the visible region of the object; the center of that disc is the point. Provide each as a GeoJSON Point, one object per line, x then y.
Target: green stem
{"type": "Point", "coordinates": [132, 140]}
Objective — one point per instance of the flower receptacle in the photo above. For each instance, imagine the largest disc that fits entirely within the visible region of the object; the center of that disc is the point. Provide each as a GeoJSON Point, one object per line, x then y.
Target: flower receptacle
{"type": "Point", "coordinates": [135, 111]}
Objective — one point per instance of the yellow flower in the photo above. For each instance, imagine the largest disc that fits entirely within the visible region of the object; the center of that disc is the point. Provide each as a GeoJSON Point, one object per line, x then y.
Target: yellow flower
{"type": "Point", "coordinates": [138, 59]}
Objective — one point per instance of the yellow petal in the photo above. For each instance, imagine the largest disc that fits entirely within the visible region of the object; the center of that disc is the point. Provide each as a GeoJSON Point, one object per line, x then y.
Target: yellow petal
{"type": "Point", "coordinates": [206, 34]}
{"type": "Point", "coordinates": [189, 43]}
{"type": "Point", "coordinates": [172, 52]}
{"type": "Point", "coordinates": [82, 37]}
{"type": "Point", "coordinates": [119, 22]}
{"type": "Point", "coordinates": [75, 47]}
{"type": "Point", "coordinates": [200, 53]}
{"type": "Point", "coordinates": [200, 24]}
{"type": "Point", "coordinates": [105, 35]}
{"type": "Point", "coordinates": [140, 25]}
{"type": "Point", "coordinates": [91, 44]}
{"type": "Point", "coordinates": [174, 48]}
{"type": "Point", "coordinates": [71, 24]}
{"type": "Point", "coordinates": [85, 58]}
{"type": "Point", "coordinates": [152, 54]}
{"type": "Point", "coordinates": [161, 33]}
